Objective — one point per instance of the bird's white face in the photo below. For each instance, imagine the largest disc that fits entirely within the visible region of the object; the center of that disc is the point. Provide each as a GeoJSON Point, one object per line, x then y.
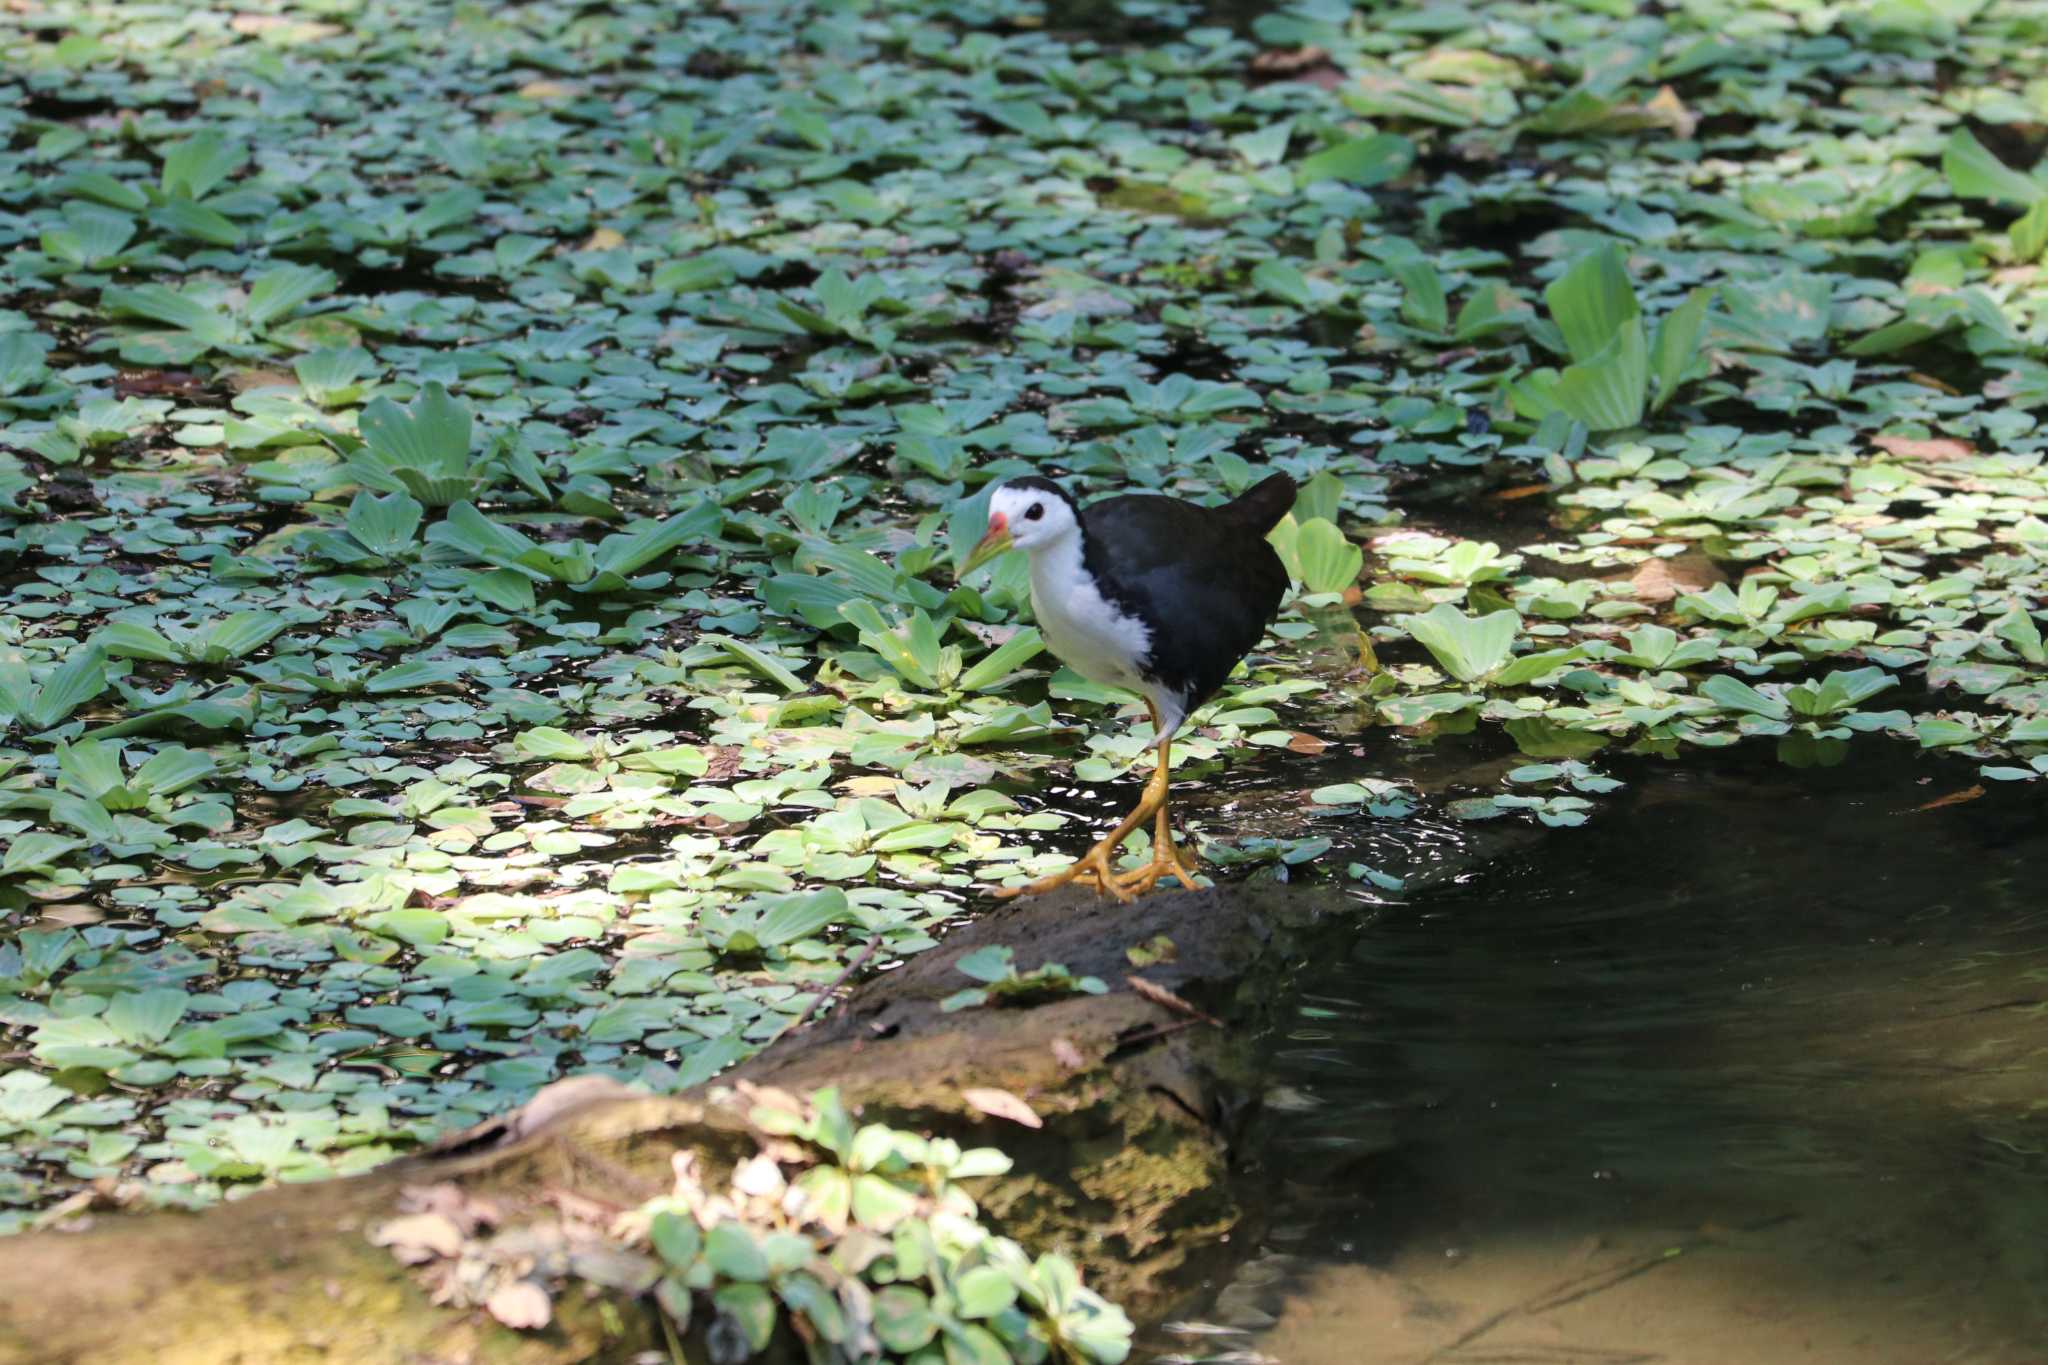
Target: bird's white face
{"type": "Point", "coordinates": [1032, 516]}
{"type": "Point", "coordinates": [1022, 518]}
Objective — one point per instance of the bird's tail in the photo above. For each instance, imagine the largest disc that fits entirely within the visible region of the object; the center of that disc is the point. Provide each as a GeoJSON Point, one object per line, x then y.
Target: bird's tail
{"type": "Point", "coordinates": [1261, 506]}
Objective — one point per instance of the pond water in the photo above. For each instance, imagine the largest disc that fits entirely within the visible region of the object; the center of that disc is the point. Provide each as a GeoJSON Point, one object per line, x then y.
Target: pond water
{"type": "Point", "coordinates": [1752, 1068]}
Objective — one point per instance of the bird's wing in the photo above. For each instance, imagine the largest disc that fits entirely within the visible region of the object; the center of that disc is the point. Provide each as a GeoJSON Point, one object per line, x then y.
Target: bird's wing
{"type": "Point", "coordinates": [1207, 584]}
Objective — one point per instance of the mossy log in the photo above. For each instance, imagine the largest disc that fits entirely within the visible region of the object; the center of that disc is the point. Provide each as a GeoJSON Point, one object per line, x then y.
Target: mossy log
{"type": "Point", "coordinates": [1141, 1104]}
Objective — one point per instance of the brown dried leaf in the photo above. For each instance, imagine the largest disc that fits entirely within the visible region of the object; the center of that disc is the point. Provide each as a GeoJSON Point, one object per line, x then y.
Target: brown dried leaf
{"type": "Point", "coordinates": [1166, 999]}
{"type": "Point", "coordinates": [1002, 1104]}
{"type": "Point", "coordinates": [546, 90]}
{"type": "Point", "coordinates": [1661, 580]}
{"type": "Point", "coordinates": [1954, 798]}
{"type": "Point", "coordinates": [242, 381]}
{"type": "Point", "coordinates": [1669, 111]}
{"type": "Point", "coordinates": [604, 239]}
{"type": "Point", "coordinates": [521, 1305]}
{"type": "Point", "coordinates": [1934, 448]}
{"type": "Point", "coordinates": [1307, 744]}
{"type": "Point", "coordinates": [419, 1237]}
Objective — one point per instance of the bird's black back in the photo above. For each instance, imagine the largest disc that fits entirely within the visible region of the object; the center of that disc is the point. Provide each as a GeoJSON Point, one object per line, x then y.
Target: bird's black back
{"type": "Point", "coordinates": [1203, 578]}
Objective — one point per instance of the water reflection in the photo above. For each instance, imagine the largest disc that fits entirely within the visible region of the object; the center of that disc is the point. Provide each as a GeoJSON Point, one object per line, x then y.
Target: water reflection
{"type": "Point", "coordinates": [1753, 1068]}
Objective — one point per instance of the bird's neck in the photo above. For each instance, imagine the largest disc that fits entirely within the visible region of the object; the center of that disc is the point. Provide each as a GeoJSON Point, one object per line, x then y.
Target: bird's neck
{"type": "Point", "coordinates": [1057, 565]}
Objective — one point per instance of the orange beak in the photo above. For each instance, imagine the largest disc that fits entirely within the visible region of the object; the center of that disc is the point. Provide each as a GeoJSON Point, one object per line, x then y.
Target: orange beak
{"type": "Point", "coordinates": [994, 543]}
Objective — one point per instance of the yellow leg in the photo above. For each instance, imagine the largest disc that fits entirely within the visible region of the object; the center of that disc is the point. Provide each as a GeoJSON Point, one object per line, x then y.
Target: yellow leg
{"type": "Point", "coordinates": [1094, 869]}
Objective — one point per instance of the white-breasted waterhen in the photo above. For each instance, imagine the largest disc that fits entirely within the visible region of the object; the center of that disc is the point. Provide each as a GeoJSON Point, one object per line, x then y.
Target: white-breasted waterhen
{"type": "Point", "coordinates": [1150, 594]}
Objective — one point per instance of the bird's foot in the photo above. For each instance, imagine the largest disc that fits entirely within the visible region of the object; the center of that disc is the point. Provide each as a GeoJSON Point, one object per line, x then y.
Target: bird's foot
{"type": "Point", "coordinates": [1168, 860]}
{"type": "Point", "coordinates": [1092, 869]}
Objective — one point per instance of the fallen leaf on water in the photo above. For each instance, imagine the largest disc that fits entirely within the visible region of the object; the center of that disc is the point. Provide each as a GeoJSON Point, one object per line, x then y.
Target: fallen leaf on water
{"type": "Point", "coordinates": [521, 1304]}
{"type": "Point", "coordinates": [1527, 490]}
{"type": "Point", "coordinates": [1670, 111]}
{"type": "Point", "coordinates": [1935, 448]}
{"type": "Point", "coordinates": [604, 239]}
{"type": "Point", "coordinates": [1307, 744]}
{"type": "Point", "coordinates": [242, 381]}
{"type": "Point", "coordinates": [546, 90]}
{"type": "Point", "coordinates": [1955, 798]}
{"type": "Point", "coordinates": [1002, 1104]}
{"type": "Point", "coordinates": [1661, 580]}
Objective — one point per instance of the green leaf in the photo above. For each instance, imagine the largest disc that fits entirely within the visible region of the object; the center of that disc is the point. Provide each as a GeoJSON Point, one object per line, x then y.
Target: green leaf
{"type": "Point", "coordinates": [192, 168]}
{"type": "Point", "coordinates": [198, 222]}
{"type": "Point", "coordinates": [2030, 234]}
{"type": "Point", "coordinates": [1678, 344]}
{"type": "Point", "coordinates": [104, 189]}
{"type": "Point", "coordinates": [732, 1252]}
{"type": "Point", "coordinates": [1974, 173]}
{"type": "Point", "coordinates": [879, 1204]}
{"type": "Point", "coordinates": [35, 851]}
{"type": "Point", "coordinates": [1329, 562]}
{"type": "Point", "coordinates": [984, 1292]}
{"type": "Point", "coordinates": [626, 553]}
{"type": "Point", "coordinates": [432, 434]}
{"type": "Point", "coordinates": [992, 963]}
{"type": "Point", "coordinates": [240, 635]}
{"type": "Point", "coordinates": [1365, 161]}
{"type": "Point", "coordinates": [146, 1018]}
{"type": "Point", "coordinates": [81, 677]}
{"type": "Point", "coordinates": [1526, 668]}
{"type": "Point", "coordinates": [760, 661]}
{"type": "Point", "coordinates": [172, 769]}
{"type": "Point", "coordinates": [1733, 694]}
{"type": "Point", "coordinates": [903, 1319]}
{"type": "Point", "coordinates": [1607, 391]}
{"type": "Point", "coordinates": [1468, 648]}
{"type": "Point", "coordinates": [677, 1238]}
{"type": "Point", "coordinates": [281, 292]}
{"type": "Point", "coordinates": [159, 303]}
{"type": "Point", "coordinates": [1005, 659]}
{"type": "Point", "coordinates": [800, 916]}
{"type": "Point", "coordinates": [805, 1294]}
{"type": "Point", "coordinates": [751, 1306]}
{"type": "Point", "coordinates": [81, 1041]}
{"type": "Point", "coordinates": [1283, 281]}
{"type": "Point", "coordinates": [413, 676]}
{"type": "Point", "coordinates": [1593, 301]}
{"type": "Point", "coordinates": [2018, 629]}
{"type": "Point", "coordinates": [910, 648]}
{"type": "Point", "coordinates": [1423, 302]}
{"type": "Point", "coordinates": [385, 525]}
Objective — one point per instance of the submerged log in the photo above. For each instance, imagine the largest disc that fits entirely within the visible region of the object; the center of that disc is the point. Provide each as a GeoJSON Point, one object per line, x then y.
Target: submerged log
{"type": "Point", "coordinates": [1139, 1093]}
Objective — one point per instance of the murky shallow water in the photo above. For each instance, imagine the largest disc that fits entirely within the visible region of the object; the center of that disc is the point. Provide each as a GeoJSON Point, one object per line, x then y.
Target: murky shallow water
{"type": "Point", "coordinates": [1754, 1068]}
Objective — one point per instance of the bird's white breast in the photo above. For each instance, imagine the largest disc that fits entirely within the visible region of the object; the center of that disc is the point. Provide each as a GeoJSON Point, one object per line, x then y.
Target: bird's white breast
{"type": "Point", "coordinates": [1080, 625]}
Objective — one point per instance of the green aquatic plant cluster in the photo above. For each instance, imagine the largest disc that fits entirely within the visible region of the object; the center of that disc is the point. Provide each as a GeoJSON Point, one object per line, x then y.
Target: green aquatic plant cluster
{"type": "Point", "coordinates": [995, 967]}
{"type": "Point", "coordinates": [863, 1240]}
{"type": "Point", "coordinates": [480, 487]}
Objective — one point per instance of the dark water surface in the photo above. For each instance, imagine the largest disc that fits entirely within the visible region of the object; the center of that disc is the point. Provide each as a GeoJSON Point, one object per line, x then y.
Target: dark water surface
{"type": "Point", "coordinates": [1752, 1068]}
